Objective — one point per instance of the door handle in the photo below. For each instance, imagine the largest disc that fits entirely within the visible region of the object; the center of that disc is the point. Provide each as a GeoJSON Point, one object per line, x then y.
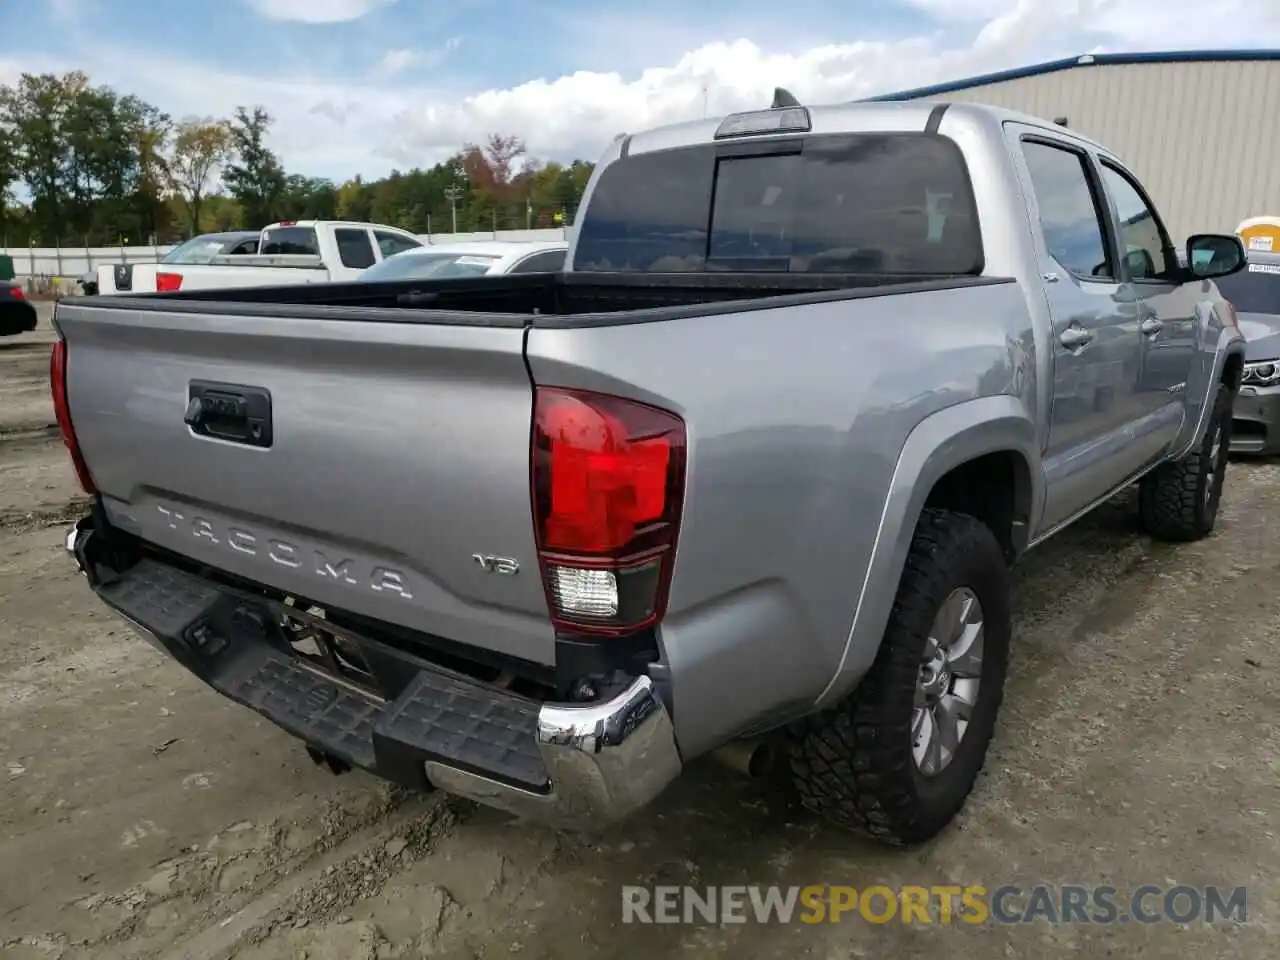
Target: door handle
{"type": "Point", "coordinates": [230, 412]}
{"type": "Point", "coordinates": [1073, 338]}
{"type": "Point", "coordinates": [1151, 325]}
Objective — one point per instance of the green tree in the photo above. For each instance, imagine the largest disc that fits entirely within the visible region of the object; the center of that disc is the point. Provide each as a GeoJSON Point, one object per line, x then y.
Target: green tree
{"type": "Point", "coordinates": [89, 157]}
{"type": "Point", "coordinates": [354, 200]}
{"type": "Point", "coordinates": [255, 178]}
{"type": "Point", "coordinates": [308, 198]}
{"type": "Point", "coordinates": [123, 166]}
{"type": "Point", "coordinates": [8, 164]}
{"type": "Point", "coordinates": [33, 114]}
{"type": "Point", "coordinates": [8, 180]}
{"type": "Point", "coordinates": [151, 138]}
{"type": "Point", "coordinates": [200, 148]}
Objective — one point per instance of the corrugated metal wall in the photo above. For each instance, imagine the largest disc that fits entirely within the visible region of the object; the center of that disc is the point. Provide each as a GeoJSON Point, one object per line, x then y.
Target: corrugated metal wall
{"type": "Point", "coordinates": [1203, 137]}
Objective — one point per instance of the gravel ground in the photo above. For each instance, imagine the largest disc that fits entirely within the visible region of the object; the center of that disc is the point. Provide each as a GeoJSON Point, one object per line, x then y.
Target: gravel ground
{"type": "Point", "coordinates": [143, 816]}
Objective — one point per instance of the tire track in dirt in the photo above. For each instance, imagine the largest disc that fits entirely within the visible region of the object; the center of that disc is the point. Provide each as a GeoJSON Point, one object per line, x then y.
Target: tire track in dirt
{"type": "Point", "coordinates": [21, 521]}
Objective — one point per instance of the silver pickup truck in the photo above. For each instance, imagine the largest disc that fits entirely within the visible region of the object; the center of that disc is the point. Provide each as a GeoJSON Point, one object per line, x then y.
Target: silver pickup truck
{"type": "Point", "coordinates": [747, 476]}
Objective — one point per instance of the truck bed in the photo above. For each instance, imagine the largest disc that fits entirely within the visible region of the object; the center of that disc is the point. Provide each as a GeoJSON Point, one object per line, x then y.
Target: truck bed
{"type": "Point", "coordinates": [545, 299]}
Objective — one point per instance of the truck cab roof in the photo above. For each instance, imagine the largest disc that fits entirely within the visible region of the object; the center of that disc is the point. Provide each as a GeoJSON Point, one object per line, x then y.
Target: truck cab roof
{"type": "Point", "coordinates": [853, 117]}
{"type": "Point", "coordinates": [356, 224]}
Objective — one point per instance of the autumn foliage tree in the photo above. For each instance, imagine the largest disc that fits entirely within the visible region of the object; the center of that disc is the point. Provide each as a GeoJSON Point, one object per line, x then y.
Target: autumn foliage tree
{"type": "Point", "coordinates": [491, 169]}
{"type": "Point", "coordinates": [82, 163]}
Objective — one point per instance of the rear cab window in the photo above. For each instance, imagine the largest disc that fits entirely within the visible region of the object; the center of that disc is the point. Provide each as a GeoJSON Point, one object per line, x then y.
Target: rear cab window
{"type": "Point", "coordinates": [874, 203]}
{"type": "Point", "coordinates": [291, 240]}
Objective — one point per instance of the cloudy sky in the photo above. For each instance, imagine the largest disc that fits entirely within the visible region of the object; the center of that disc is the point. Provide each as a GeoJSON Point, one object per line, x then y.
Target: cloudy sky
{"type": "Point", "coordinates": [360, 86]}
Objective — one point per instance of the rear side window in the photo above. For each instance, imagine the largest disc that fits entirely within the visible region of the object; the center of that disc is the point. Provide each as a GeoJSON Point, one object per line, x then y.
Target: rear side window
{"type": "Point", "coordinates": [291, 240]}
{"type": "Point", "coordinates": [354, 248]}
{"type": "Point", "coordinates": [1069, 213]}
{"type": "Point", "coordinates": [392, 243]}
{"type": "Point", "coordinates": [550, 262]}
{"type": "Point", "coordinates": [865, 203]}
{"type": "Point", "coordinates": [1255, 289]}
{"type": "Point", "coordinates": [197, 250]}
{"type": "Point", "coordinates": [420, 266]}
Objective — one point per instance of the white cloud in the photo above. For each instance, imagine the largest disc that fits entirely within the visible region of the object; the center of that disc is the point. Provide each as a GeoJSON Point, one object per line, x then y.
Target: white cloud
{"type": "Point", "coordinates": [397, 61]}
{"type": "Point", "coordinates": [338, 126]}
{"type": "Point", "coordinates": [317, 11]}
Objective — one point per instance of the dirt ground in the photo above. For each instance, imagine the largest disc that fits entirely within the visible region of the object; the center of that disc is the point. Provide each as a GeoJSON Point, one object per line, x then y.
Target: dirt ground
{"type": "Point", "coordinates": [143, 816]}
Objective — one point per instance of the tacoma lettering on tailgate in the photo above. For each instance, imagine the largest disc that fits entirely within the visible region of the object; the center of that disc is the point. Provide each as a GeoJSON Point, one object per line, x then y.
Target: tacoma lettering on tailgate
{"type": "Point", "coordinates": [345, 570]}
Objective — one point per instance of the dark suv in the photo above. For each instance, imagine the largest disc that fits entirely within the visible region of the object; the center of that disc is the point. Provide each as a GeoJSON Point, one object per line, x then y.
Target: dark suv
{"type": "Point", "coordinates": [1255, 293]}
{"type": "Point", "coordinates": [16, 314]}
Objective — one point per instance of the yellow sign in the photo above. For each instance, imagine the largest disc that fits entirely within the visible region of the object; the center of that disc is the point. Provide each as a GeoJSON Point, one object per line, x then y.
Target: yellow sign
{"type": "Point", "coordinates": [1260, 234]}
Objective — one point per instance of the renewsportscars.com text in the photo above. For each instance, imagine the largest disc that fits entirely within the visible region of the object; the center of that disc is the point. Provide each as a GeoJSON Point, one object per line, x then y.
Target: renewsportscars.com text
{"type": "Point", "coordinates": [1006, 904]}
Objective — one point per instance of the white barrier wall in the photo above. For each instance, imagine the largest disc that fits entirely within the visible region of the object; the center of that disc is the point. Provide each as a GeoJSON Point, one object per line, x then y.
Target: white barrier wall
{"type": "Point", "coordinates": [73, 262]}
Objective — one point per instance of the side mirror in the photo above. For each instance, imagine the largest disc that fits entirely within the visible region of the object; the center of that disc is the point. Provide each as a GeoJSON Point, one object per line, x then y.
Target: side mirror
{"type": "Point", "coordinates": [1212, 255]}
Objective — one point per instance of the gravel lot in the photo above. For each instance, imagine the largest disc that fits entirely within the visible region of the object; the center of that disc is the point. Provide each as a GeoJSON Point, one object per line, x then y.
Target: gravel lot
{"type": "Point", "coordinates": [142, 815]}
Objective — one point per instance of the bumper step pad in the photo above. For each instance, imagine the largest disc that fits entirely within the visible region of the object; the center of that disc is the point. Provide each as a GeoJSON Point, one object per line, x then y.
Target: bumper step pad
{"type": "Point", "coordinates": [310, 706]}
{"type": "Point", "coordinates": [468, 727]}
{"type": "Point", "coordinates": [455, 721]}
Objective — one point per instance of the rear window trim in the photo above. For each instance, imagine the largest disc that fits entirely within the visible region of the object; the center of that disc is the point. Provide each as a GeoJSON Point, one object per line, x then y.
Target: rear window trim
{"type": "Point", "coordinates": [789, 144]}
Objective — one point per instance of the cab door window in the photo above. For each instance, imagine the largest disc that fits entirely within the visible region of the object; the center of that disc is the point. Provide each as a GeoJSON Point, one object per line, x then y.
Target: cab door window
{"type": "Point", "coordinates": [1071, 216]}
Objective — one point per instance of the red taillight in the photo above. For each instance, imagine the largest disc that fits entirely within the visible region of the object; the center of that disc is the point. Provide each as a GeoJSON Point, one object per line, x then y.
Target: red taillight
{"type": "Point", "coordinates": [168, 282]}
{"type": "Point", "coordinates": [58, 384]}
{"type": "Point", "coordinates": [17, 293]}
{"type": "Point", "coordinates": [608, 484]}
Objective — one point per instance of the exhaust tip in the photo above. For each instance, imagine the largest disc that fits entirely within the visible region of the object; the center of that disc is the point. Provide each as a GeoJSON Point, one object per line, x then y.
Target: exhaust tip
{"type": "Point", "coordinates": [751, 757]}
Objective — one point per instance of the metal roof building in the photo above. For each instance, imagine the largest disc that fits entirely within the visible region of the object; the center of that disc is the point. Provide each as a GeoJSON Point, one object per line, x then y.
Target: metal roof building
{"type": "Point", "coordinates": [1201, 129]}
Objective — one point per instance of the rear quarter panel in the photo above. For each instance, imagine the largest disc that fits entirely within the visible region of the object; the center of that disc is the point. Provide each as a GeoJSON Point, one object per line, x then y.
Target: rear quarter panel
{"type": "Point", "coordinates": [797, 423]}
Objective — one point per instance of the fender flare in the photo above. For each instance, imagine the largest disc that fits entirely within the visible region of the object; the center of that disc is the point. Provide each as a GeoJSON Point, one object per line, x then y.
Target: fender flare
{"type": "Point", "coordinates": [939, 443]}
{"type": "Point", "coordinates": [1205, 378]}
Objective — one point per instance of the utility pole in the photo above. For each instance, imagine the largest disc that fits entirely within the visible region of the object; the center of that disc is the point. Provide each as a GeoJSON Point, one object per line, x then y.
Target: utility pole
{"type": "Point", "coordinates": [704, 100]}
{"type": "Point", "coordinates": [453, 193]}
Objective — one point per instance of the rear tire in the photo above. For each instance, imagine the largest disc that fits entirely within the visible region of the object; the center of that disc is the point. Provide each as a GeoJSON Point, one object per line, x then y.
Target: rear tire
{"type": "Point", "coordinates": [859, 764]}
{"type": "Point", "coordinates": [1178, 501]}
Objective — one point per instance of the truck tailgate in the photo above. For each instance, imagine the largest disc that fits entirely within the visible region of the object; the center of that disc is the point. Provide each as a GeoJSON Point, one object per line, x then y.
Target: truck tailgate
{"type": "Point", "coordinates": [398, 452]}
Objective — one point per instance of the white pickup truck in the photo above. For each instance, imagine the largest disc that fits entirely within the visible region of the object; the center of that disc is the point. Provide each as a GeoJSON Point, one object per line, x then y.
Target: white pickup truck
{"type": "Point", "coordinates": [288, 252]}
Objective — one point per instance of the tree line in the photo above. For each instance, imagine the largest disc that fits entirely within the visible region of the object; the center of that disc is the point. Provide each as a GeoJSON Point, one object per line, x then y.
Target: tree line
{"type": "Point", "coordinates": [100, 168]}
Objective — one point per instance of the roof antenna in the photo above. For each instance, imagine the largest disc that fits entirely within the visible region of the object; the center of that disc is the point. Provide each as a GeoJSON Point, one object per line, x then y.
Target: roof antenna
{"type": "Point", "coordinates": [1060, 121]}
{"type": "Point", "coordinates": [783, 98]}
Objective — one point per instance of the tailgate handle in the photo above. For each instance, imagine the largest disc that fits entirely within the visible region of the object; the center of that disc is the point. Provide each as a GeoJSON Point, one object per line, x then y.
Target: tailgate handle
{"type": "Point", "coordinates": [230, 412]}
